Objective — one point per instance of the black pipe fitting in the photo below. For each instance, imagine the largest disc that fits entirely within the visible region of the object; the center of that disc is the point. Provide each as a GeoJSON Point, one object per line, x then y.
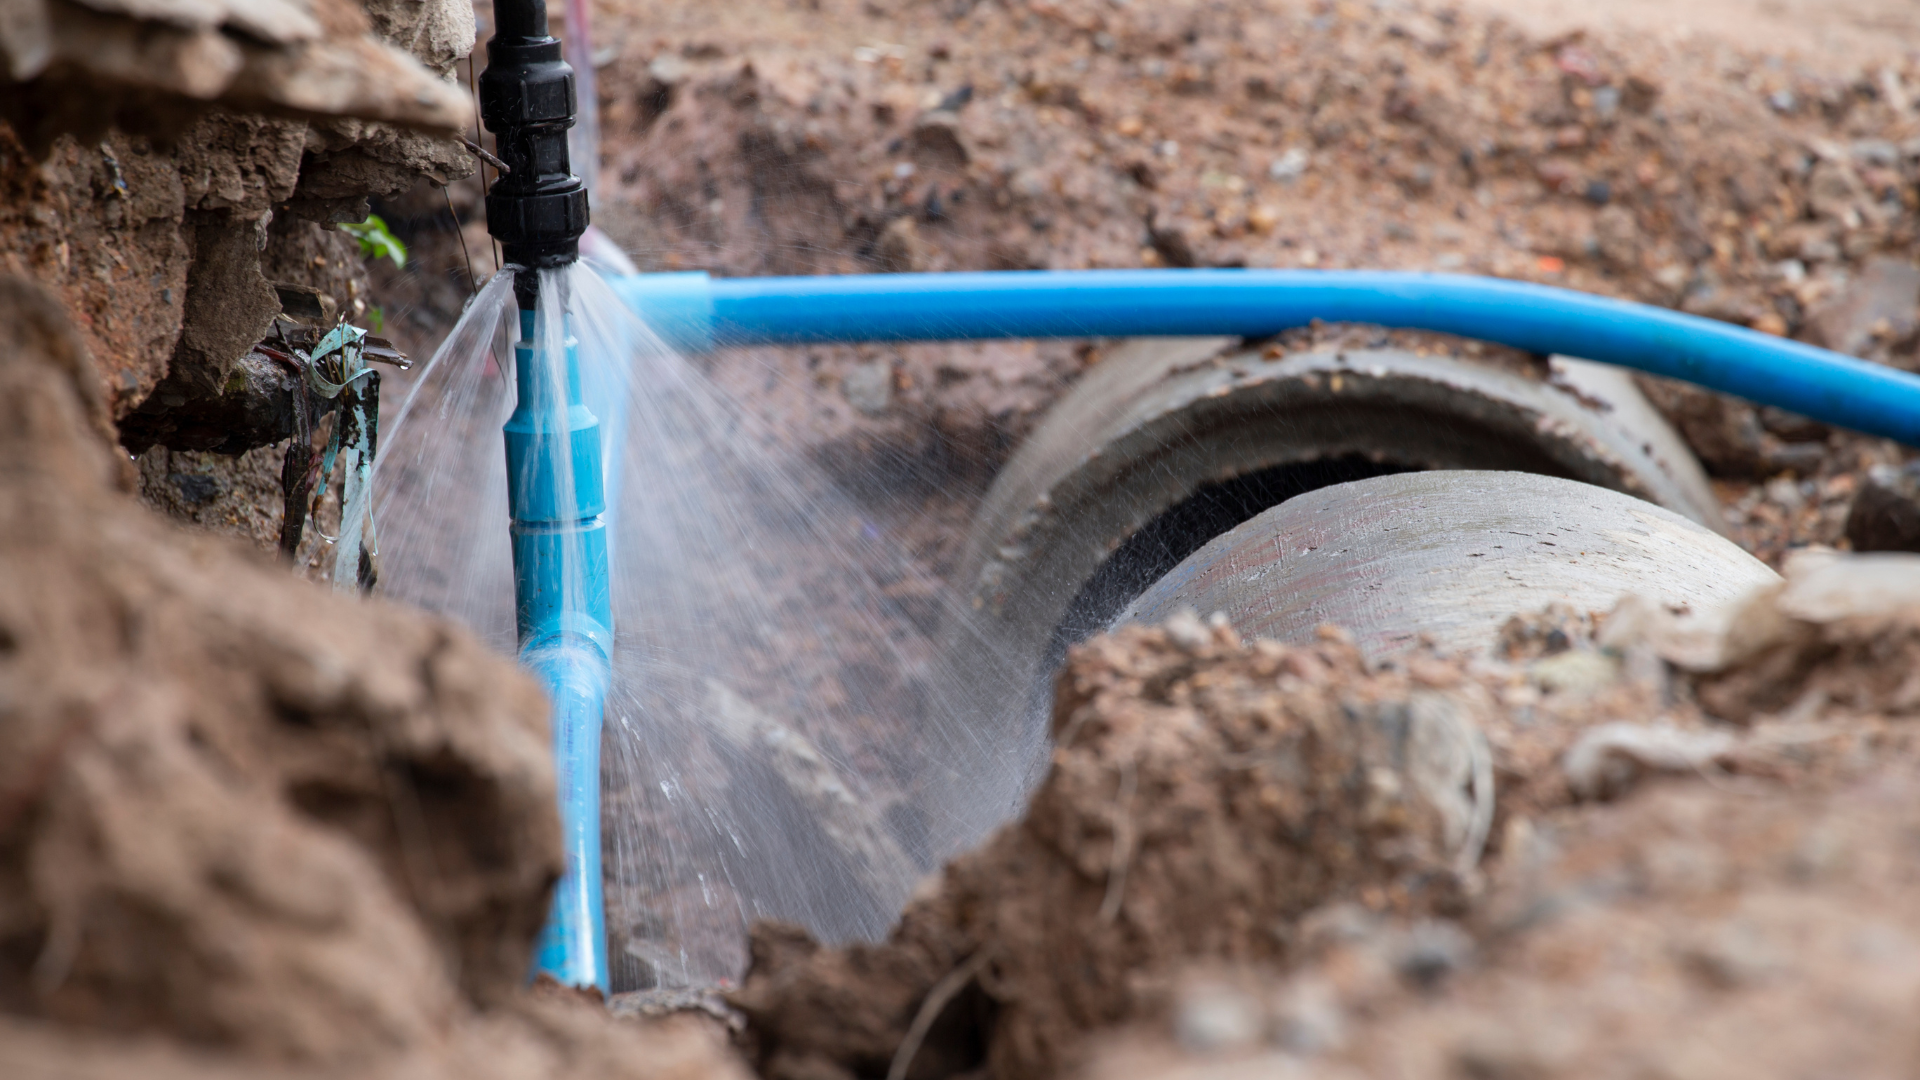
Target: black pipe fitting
{"type": "Point", "coordinates": [538, 209]}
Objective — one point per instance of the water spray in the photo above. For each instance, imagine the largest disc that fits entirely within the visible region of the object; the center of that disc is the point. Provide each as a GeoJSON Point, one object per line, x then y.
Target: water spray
{"type": "Point", "coordinates": [537, 211]}
{"type": "Point", "coordinates": [557, 482]}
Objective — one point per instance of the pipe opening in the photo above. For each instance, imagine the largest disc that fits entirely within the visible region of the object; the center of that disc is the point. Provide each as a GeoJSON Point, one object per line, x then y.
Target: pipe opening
{"type": "Point", "coordinates": [1184, 528]}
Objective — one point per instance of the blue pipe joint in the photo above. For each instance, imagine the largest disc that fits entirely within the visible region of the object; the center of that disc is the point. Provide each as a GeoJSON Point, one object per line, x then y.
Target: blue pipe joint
{"type": "Point", "coordinates": [572, 947]}
{"type": "Point", "coordinates": [557, 494]}
{"type": "Point", "coordinates": [564, 614]}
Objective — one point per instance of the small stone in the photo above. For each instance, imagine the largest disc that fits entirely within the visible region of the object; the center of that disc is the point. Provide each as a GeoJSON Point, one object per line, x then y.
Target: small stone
{"type": "Point", "coordinates": [1886, 513]}
{"type": "Point", "coordinates": [1185, 629]}
{"type": "Point", "coordinates": [1512, 1053]}
{"type": "Point", "coordinates": [1577, 672]}
{"type": "Point", "coordinates": [901, 249]}
{"type": "Point", "coordinates": [1884, 298]}
{"type": "Point", "coordinates": [1289, 166]}
{"type": "Point", "coordinates": [1784, 491]}
{"type": "Point", "coordinates": [869, 387]}
{"type": "Point", "coordinates": [1732, 956]}
{"type": "Point", "coordinates": [1212, 1018]}
{"type": "Point", "coordinates": [936, 138]}
{"type": "Point", "coordinates": [1307, 1019]}
{"type": "Point", "coordinates": [1431, 952]}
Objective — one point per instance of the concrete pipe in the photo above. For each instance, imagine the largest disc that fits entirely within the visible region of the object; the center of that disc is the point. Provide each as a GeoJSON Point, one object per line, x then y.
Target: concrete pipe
{"type": "Point", "coordinates": [1449, 556]}
{"type": "Point", "coordinates": [1169, 442]}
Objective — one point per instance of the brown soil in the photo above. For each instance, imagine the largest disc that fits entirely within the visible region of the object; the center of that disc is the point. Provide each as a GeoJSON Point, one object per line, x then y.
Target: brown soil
{"type": "Point", "coordinates": [1670, 168]}
{"type": "Point", "coordinates": [1255, 856]}
{"type": "Point", "coordinates": [247, 826]}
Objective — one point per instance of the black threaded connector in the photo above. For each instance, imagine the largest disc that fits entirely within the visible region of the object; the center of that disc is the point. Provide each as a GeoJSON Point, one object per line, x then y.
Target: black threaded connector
{"type": "Point", "coordinates": [538, 210]}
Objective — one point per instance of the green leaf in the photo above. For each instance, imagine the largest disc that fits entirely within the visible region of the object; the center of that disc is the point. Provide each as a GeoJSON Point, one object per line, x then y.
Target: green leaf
{"type": "Point", "coordinates": [376, 240]}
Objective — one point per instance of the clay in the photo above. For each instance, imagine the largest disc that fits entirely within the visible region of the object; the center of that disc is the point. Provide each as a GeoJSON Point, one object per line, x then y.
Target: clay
{"type": "Point", "coordinates": [1194, 808]}
{"type": "Point", "coordinates": [82, 66]}
{"type": "Point", "coordinates": [439, 33]}
{"type": "Point", "coordinates": [1677, 849]}
{"type": "Point", "coordinates": [1691, 931]}
{"type": "Point", "coordinates": [151, 216]}
{"type": "Point", "coordinates": [221, 784]}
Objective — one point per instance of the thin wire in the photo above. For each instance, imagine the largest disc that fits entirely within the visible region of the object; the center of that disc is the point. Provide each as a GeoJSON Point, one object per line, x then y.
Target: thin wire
{"type": "Point", "coordinates": [472, 282]}
{"type": "Point", "coordinates": [474, 88]}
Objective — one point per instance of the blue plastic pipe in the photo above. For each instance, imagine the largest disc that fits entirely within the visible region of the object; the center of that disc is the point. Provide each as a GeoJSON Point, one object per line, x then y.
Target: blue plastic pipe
{"type": "Point", "coordinates": [564, 614]}
{"type": "Point", "coordinates": [697, 313]}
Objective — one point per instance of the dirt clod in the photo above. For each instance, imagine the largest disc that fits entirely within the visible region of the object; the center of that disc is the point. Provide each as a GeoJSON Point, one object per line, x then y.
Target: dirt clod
{"type": "Point", "coordinates": [1203, 795]}
{"type": "Point", "coordinates": [248, 828]}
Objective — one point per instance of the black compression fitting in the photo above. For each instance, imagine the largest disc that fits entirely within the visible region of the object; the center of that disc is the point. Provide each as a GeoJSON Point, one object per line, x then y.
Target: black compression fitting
{"type": "Point", "coordinates": [539, 208]}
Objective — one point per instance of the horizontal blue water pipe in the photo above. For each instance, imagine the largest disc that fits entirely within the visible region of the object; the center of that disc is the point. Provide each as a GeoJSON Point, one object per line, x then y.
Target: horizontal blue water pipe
{"type": "Point", "coordinates": [566, 636]}
{"type": "Point", "coordinates": [697, 313]}
{"type": "Point", "coordinates": [564, 614]}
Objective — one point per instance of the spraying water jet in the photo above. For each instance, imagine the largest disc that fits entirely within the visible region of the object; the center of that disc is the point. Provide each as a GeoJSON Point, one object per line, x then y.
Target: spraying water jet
{"type": "Point", "coordinates": [587, 555]}
{"type": "Point", "coordinates": [563, 610]}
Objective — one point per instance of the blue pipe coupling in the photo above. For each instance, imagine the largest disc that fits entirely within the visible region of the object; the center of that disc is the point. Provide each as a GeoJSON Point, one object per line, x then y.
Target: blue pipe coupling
{"type": "Point", "coordinates": [695, 313]}
{"type": "Point", "coordinates": [564, 613]}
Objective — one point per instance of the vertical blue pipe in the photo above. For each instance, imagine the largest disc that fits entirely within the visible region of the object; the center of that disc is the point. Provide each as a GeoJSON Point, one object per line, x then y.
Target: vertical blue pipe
{"type": "Point", "coordinates": [564, 612]}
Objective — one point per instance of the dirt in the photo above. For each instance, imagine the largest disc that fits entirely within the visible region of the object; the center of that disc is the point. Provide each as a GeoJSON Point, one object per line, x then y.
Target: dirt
{"type": "Point", "coordinates": [161, 218]}
{"type": "Point", "coordinates": [1248, 856]}
{"type": "Point", "coordinates": [1194, 807]}
{"type": "Point", "coordinates": [251, 829]}
{"type": "Point", "coordinates": [1692, 931]}
{"type": "Point", "coordinates": [1756, 186]}
{"type": "Point", "coordinates": [248, 827]}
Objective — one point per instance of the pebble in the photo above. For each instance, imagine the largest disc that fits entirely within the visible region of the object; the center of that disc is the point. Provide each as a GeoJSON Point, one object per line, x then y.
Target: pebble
{"type": "Point", "coordinates": [1212, 1018]}
{"type": "Point", "coordinates": [1885, 515]}
{"type": "Point", "coordinates": [869, 387]}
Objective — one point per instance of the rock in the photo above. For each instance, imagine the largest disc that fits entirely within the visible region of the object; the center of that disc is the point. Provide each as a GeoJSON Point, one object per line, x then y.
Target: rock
{"type": "Point", "coordinates": [252, 408]}
{"type": "Point", "coordinates": [1842, 629]}
{"type": "Point", "coordinates": [901, 249]}
{"type": "Point", "coordinates": [1190, 811]}
{"type": "Point", "coordinates": [1607, 758]}
{"type": "Point", "coordinates": [936, 141]}
{"type": "Point", "coordinates": [1211, 1017]}
{"type": "Point", "coordinates": [1574, 671]}
{"type": "Point", "coordinates": [1885, 515]}
{"type": "Point", "coordinates": [1289, 166]}
{"type": "Point", "coordinates": [1835, 193]}
{"type": "Point", "coordinates": [869, 387]}
{"type": "Point", "coordinates": [81, 66]}
{"type": "Point", "coordinates": [1882, 303]}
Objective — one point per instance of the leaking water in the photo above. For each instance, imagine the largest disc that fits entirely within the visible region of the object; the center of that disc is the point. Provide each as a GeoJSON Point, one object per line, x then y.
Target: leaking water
{"type": "Point", "coordinates": [783, 737]}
